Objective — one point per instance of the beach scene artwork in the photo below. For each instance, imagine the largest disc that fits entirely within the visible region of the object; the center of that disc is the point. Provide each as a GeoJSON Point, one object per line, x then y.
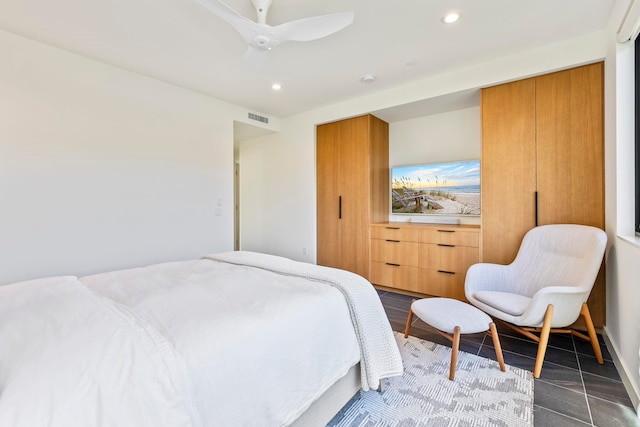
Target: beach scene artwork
{"type": "Point", "coordinates": [450, 188]}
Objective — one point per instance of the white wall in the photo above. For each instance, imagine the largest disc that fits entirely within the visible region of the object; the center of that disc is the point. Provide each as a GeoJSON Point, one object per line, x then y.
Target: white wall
{"type": "Point", "coordinates": [277, 193]}
{"type": "Point", "coordinates": [454, 135]}
{"type": "Point", "coordinates": [623, 255]}
{"type": "Point", "coordinates": [101, 168]}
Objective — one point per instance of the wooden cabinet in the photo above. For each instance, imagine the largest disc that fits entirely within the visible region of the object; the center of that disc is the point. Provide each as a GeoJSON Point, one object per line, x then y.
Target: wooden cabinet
{"type": "Point", "coordinates": [542, 161]}
{"type": "Point", "coordinates": [427, 259]}
{"type": "Point", "coordinates": [352, 170]}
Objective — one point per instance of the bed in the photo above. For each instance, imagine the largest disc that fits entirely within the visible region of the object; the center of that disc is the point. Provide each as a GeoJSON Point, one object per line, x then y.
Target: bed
{"type": "Point", "coordinates": [232, 339]}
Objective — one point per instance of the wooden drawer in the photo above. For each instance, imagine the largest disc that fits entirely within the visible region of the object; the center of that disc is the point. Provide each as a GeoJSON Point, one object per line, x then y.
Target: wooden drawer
{"type": "Point", "coordinates": [395, 251]}
{"type": "Point", "coordinates": [445, 257]}
{"type": "Point", "coordinates": [394, 276]}
{"type": "Point", "coordinates": [437, 283]}
{"type": "Point", "coordinates": [450, 236]}
{"type": "Point", "coordinates": [392, 232]}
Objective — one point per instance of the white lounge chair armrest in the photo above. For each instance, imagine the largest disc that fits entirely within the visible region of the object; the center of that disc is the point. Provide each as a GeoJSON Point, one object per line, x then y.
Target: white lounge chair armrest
{"type": "Point", "coordinates": [488, 277]}
{"type": "Point", "coordinates": [567, 302]}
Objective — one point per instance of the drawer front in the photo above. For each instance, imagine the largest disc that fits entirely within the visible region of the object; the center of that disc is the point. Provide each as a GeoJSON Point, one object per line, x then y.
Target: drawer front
{"type": "Point", "coordinates": [447, 257]}
{"type": "Point", "coordinates": [449, 236]}
{"type": "Point", "coordinates": [395, 251]}
{"type": "Point", "coordinates": [391, 232]}
{"type": "Point", "coordinates": [394, 276]}
{"type": "Point", "coordinates": [441, 284]}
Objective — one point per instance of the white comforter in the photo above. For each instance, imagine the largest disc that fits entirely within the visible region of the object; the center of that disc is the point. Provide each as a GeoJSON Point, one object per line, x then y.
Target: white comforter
{"type": "Point", "coordinates": [259, 347]}
{"type": "Point", "coordinates": [193, 343]}
{"type": "Point", "coordinates": [71, 358]}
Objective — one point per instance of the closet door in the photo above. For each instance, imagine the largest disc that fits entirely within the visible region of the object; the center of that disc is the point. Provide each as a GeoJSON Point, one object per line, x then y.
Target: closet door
{"type": "Point", "coordinates": [354, 187]}
{"type": "Point", "coordinates": [570, 156]}
{"type": "Point", "coordinates": [508, 169]}
{"type": "Point", "coordinates": [327, 194]}
{"type": "Point", "coordinates": [352, 184]}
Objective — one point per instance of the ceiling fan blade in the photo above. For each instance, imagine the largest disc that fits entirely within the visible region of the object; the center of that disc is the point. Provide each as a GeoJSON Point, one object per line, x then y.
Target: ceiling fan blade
{"type": "Point", "coordinates": [241, 24]}
{"type": "Point", "coordinates": [312, 28]}
{"type": "Point", "coordinates": [255, 56]}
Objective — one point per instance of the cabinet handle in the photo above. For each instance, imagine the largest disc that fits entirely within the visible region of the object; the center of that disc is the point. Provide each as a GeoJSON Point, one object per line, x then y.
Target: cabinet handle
{"type": "Point", "coordinates": [339, 207]}
{"type": "Point", "coordinates": [392, 228]}
{"type": "Point", "coordinates": [393, 241]}
{"type": "Point", "coordinates": [392, 264]}
{"type": "Point", "coordinates": [448, 246]}
{"type": "Point", "coordinates": [446, 272]}
{"type": "Point", "coordinates": [446, 231]}
{"type": "Point", "coordinates": [535, 197]}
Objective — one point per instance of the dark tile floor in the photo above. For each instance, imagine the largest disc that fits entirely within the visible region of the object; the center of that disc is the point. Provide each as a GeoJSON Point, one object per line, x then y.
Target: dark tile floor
{"type": "Point", "coordinates": [573, 389]}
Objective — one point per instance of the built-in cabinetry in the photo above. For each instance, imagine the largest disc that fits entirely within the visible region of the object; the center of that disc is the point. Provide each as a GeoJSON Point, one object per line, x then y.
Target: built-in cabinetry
{"type": "Point", "coordinates": [428, 259]}
{"type": "Point", "coordinates": [542, 161]}
{"type": "Point", "coordinates": [352, 172]}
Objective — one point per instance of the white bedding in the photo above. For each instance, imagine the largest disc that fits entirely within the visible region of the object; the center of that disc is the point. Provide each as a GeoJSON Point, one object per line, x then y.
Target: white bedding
{"type": "Point", "coordinates": [259, 347]}
{"type": "Point", "coordinates": [71, 358]}
{"type": "Point", "coordinates": [380, 357]}
{"type": "Point", "coordinates": [186, 344]}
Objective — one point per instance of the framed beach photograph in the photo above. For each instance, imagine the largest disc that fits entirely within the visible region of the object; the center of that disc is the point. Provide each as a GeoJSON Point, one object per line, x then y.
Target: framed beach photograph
{"type": "Point", "coordinates": [445, 188]}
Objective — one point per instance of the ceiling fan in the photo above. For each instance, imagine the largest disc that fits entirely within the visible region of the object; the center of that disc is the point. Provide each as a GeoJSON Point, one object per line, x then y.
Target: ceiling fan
{"type": "Point", "coordinates": [261, 37]}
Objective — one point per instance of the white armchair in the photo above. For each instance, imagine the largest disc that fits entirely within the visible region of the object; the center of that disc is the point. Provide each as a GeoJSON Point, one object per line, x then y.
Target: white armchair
{"type": "Point", "coordinates": [546, 287]}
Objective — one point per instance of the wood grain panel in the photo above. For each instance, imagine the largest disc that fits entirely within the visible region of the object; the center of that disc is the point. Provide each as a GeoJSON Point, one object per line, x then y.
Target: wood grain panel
{"type": "Point", "coordinates": [397, 277]}
{"type": "Point", "coordinates": [395, 251]}
{"type": "Point", "coordinates": [352, 163]}
{"type": "Point", "coordinates": [456, 259]}
{"type": "Point", "coordinates": [570, 180]}
{"type": "Point", "coordinates": [570, 156]}
{"type": "Point", "coordinates": [354, 186]}
{"type": "Point", "coordinates": [450, 236]}
{"type": "Point", "coordinates": [327, 178]}
{"type": "Point", "coordinates": [379, 169]}
{"type": "Point", "coordinates": [508, 170]}
{"type": "Point", "coordinates": [433, 282]}
{"type": "Point", "coordinates": [394, 232]}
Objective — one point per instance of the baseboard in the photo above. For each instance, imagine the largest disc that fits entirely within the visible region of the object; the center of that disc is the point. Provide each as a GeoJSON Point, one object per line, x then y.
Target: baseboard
{"type": "Point", "coordinates": [634, 394]}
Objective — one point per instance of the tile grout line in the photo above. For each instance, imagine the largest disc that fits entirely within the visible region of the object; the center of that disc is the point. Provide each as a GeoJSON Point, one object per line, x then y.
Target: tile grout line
{"type": "Point", "coordinates": [584, 388]}
{"type": "Point", "coordinates": [561, 414]}
{"type": "Point", "coordinates": [481, 345]}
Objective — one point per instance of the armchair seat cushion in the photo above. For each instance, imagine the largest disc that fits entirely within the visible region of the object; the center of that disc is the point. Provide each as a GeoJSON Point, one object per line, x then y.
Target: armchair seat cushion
{"type": "Point", "coordinates": [513, 304]}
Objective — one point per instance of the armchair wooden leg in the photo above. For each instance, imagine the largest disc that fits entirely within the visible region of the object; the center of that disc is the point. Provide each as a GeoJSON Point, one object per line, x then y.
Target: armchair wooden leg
{"type": "Point", "coordinates": [496, 345]}
{"type": "Point", "coordinates": [544, 339]}
{"type": "Point", "coordinates": [407, 328]}
{"type": "Point", "coordinates": [454, 352]}
{"type": "Point", "coordinates": [593, 337]}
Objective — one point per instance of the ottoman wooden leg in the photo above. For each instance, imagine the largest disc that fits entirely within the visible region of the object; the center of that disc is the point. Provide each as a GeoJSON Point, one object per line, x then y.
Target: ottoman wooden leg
{"type": "Point", "coordinates": [407, 328]}
{"type": "Point", "coordinates": [496, 345]}
{"type": "Point", "coordinates": [454, 352]}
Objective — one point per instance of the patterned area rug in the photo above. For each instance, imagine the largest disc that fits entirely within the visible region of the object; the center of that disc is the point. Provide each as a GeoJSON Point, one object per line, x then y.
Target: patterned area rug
{"type": "Point", "coordinates": [481, 394]}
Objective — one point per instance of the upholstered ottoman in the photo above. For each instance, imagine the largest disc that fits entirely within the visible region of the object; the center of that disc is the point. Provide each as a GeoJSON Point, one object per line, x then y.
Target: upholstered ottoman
{"type": "Point", "coordinates": [449, 316]}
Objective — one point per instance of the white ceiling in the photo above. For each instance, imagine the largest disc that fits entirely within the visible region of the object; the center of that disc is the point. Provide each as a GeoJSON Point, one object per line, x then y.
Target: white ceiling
{"type": "Point", "coordinates": [180, 42]}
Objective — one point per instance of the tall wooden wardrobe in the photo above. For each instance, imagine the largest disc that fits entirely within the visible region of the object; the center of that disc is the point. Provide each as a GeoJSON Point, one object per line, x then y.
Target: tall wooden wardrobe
{"type": "Point", "coordinates": [352, 172]}
{"type": "Point", "coordinates": [543, 161]}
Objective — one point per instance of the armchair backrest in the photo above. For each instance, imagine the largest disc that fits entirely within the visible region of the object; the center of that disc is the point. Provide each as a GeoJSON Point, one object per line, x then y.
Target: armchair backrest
{"type": "Point", "coordinates": [558, 255]}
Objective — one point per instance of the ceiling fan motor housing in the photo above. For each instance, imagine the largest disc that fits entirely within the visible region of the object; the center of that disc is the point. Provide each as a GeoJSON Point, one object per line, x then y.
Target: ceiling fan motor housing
{"type": "Point", "coordinates": [263, 42]}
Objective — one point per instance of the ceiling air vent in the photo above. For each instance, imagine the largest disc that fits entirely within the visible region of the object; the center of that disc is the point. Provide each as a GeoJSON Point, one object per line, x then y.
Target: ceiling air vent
{"type": "Point", "coordinates": [258, 118]}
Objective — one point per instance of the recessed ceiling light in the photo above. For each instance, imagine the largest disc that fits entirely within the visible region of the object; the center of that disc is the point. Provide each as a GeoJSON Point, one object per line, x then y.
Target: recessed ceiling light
{"type": "Point", "coordinates": [276, 86]}
{"type": "Point", "coordinates": [367, 78]}
{"type": "Point", "coordinates": [451, 17]}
